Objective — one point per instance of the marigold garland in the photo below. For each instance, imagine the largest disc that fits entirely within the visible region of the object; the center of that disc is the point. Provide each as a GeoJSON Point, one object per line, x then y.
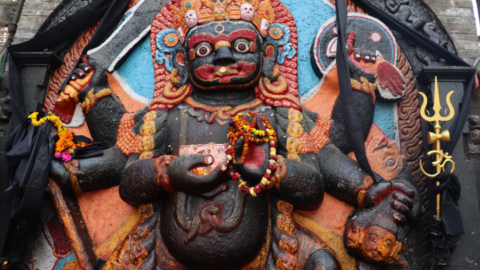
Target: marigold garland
{"type": "Point", "coordinates": [238, 127]}
{"type": "Point", "coordinates": [66, 138]}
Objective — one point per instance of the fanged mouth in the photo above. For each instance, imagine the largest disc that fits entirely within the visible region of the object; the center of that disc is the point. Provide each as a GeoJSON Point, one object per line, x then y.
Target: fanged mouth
{"type": "Point", "coordinates": [225, 73]}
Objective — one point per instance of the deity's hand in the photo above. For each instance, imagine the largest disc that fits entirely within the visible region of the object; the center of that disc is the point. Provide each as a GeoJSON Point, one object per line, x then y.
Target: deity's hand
{"type": "Point", "coordinates": [389, 78]}
{"type": "Point", "coordinates": [404, 204]}
{"type": "Point", "coordinates": [80, 80]}
{"type": "Point", "coordinates": [256, 158]}
{"type": "Point", "coordinates": [181, 179]}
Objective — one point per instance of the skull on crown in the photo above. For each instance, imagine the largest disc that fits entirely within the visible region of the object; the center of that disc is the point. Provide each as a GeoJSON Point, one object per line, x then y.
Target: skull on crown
{"type": "Point", "coordinates": [247, 12]}
{"type": "Point", "coordinates": [191, 18]}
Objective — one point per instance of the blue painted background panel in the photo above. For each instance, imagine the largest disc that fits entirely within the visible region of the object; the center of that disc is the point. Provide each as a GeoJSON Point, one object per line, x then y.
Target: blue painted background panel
{"type": "Point", "coordinates": [138, 70]}
{"type": "Point", "coordinates": [309, 16]}
{"type": "Point", "coordinates": [384, 118]}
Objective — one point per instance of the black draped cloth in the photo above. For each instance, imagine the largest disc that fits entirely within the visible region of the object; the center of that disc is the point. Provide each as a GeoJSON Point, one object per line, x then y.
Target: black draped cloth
{"type": "Point", "coordinates": [30, 150]}
{"type": "Point", "coordinates": [30, 153]}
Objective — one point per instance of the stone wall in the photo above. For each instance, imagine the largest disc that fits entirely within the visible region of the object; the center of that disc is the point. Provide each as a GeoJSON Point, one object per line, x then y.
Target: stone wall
{"type": "Point", "coordinates": [3, 35]}
{"type": "Point", "coordinates": [458, 18]}
{"type": "Point", "coordinates": [34, 13]}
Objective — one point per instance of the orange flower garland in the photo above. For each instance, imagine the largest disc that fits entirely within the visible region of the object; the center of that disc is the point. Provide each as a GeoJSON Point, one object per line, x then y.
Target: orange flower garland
{"type": "Point", "coordinates": [238, 127]}
{"type": "Point", "coordinates": [66, 138]}
{"type": "Point", "coordinates": [65, 141]}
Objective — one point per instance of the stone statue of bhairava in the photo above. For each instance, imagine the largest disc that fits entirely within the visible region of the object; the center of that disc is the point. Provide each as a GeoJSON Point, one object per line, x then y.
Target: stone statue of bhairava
{"type": "Point", "coordinates": [225, 154]}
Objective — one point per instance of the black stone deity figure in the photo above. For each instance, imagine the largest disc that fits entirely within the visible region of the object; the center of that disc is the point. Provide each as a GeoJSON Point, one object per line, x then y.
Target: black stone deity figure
{"type": "Point", "coordinates": [172, 158]}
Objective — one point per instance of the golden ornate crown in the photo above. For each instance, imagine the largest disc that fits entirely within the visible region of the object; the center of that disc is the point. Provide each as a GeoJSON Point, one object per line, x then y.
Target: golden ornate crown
{"type": "Point", "coordinates": [195, 12]}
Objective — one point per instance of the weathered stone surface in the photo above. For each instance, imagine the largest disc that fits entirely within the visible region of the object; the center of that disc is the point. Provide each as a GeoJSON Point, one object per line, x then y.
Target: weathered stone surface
{"type": "Point", "coordinates": [458, 19]}
{"type": "Point", "coordinates": [7, 13]}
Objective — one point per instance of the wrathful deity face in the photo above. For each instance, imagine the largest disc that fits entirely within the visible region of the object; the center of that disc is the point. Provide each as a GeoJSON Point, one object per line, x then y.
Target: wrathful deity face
{"type": "Point", "coordinates": [223, 55]}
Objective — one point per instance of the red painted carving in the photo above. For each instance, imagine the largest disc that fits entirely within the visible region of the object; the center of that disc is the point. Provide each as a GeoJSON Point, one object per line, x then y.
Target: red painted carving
{"type": "Point", "coordinates": [209, 72]}
{"type": "Point", "coordinates": [195, 39]}
{"type": "Point", "coordinates": [288, 70]}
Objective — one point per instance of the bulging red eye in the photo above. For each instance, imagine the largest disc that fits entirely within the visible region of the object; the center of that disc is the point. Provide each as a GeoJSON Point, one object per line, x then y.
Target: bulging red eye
{"type": "Point", "coordinates": [242, 47]}
{"type": "Point", "coordinates": [203, 50]}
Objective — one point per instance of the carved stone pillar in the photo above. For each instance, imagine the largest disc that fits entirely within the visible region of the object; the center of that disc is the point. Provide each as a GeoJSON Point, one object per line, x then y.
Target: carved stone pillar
{"type": "Point", "coordinates": [34, 72]}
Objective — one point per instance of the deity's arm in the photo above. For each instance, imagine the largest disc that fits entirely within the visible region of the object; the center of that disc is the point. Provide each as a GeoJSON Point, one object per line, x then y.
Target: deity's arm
{"type": "Point", "coordinates": [102, 109]}
{"type": "Point", "coordinates": [299, 184]}
{"type": "Point", "coordinates": [299, 180]}
{"type": "Point", "coordinates": [343, 176]}
{"type": "Point", "coordinates": [89, 174]}
{"type": "Point", "coordinates": [138, 183]}
{"type": "Point", "coordinates": [347, 181]}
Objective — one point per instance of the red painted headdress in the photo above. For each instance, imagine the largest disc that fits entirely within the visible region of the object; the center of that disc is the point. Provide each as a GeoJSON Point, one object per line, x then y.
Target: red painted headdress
{"type": "Point", "coordinates": [283, 93]}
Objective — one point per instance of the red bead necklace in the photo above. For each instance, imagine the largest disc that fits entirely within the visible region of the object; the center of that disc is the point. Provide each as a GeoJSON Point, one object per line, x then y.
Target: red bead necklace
{"type": "Point", "coordinates": [239, 126]}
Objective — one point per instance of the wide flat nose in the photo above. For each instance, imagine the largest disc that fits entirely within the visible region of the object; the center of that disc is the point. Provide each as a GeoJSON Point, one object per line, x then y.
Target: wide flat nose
{"type": "Point", "coordinates": [223, 55]}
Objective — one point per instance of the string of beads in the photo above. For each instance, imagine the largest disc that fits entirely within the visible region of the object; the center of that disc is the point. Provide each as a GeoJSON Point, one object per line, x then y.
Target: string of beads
{"type": "Point", "coordinates": [239, 127]}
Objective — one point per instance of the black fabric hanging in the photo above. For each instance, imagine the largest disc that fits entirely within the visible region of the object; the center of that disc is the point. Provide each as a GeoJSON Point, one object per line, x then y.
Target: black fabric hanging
{"type": "Point", "coordinates": [451, 188]}
{"type": "Point", "coordinates": [17, 103]}
{"type": "Point", "coordinates": [29, 155]}
{"type": "Point", "coordinates": [93, 150]}
{"type": "Point", "coordinates": [349, 110]}
{"type": "Point", "coordinates": [110, 11]}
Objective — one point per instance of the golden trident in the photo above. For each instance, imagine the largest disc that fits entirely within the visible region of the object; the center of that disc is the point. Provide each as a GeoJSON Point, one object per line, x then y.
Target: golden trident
{"type": "Point", "coordinates": [441, 159]}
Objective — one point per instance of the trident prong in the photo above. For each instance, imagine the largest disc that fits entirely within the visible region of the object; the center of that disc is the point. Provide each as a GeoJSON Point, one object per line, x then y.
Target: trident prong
{"type": "Point", "coordinates": [437, 107]}
{"type": "Point", "coordinates": [441, 159]}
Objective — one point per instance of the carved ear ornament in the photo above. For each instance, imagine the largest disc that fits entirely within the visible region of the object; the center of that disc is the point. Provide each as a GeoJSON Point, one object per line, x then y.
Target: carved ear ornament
{"type": "Point", "coordinates": [173, 77]}
{"type": "Point", "coordinates": [279, 87]}
{"type": "Point", "coordinates": [173, 97]}
{"type": "Point", "coordinates": [167, 41]}
{"type": "Point", "coordinates": [280, 35]}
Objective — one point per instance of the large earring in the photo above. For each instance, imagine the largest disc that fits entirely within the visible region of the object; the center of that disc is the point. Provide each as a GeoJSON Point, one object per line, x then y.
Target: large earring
{"type": "Point", "coordinates": [180, 70]}
{"type": "Point", "coordinates": [173, 77]}
{"type": "Point", "coordinates": [270, 55]}
{"type": "Point", "coordinates": [276, 89]}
